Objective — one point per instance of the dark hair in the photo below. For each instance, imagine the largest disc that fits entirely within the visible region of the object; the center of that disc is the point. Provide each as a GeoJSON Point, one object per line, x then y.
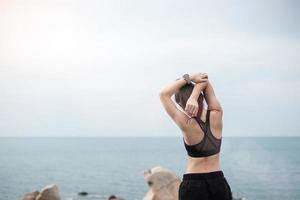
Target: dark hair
{"type": "Point", "coordinates": [183, 95]}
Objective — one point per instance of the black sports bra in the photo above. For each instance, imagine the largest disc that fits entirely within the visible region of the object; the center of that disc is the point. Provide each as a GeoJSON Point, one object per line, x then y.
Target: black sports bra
{"type": "Point", "coordinates": [209, 145]}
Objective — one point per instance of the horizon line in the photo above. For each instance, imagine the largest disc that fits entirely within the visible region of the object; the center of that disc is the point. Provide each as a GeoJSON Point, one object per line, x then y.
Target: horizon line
{"type": "Point", "coordinates": [138, 136]}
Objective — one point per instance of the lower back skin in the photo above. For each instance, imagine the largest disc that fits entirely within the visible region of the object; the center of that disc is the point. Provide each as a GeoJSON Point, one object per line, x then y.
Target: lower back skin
{"type": "Point", "coordinates": [203, 165]}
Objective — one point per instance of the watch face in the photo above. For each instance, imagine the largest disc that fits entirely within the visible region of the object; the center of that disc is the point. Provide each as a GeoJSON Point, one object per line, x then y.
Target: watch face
{"type": "Point", "coordinates": [187, 78]}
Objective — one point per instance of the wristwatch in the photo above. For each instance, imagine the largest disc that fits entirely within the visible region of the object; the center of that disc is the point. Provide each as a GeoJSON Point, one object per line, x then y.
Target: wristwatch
{"type": "Point", "coordinates": [187, 78]}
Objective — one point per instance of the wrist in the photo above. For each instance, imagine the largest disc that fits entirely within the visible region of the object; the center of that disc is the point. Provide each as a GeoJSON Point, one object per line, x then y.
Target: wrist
{"type": "Point", "coordinates": [192, 77]}
{"type": "Point", "coordinates": [194, 97]}
{"type": "Point", "coordinates": [198, 88]}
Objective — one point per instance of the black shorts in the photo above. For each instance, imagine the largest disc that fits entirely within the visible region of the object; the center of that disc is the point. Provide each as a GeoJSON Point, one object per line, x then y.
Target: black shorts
{"type": "Point", "coordinates": [204, 186]}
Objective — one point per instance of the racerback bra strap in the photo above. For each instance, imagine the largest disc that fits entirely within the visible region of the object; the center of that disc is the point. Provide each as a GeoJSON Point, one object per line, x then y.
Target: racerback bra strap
{"type": "Point", "coordinates": [209, 145]}
{"type": "Point", "coordinates": [207, 124]}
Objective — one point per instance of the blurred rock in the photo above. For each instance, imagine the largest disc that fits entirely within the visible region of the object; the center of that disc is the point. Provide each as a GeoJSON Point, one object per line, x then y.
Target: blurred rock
{"type": "Point", "coordinates": [49, 192]}
{"type": "Point", "coordinates": [30, 195]}
{"type": "Point", "coordinates": [83, 193]}
{"type": "Point", "coordinates": [113, 197]}
{"type": "Point", "coordinates": [163, 184]}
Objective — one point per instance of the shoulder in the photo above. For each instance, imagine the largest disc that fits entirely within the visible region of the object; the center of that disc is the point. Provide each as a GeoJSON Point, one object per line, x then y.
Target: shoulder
{"type": "Point", "coordinates": [182, 120]}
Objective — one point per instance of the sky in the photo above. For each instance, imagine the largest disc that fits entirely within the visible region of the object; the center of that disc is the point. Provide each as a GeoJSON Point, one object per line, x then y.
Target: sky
{"type": "Point", "coordinates": [95, 68]}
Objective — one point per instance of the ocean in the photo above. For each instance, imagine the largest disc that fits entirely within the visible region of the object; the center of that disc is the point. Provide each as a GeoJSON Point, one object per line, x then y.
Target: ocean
{"type": "Point", "coordinates": [256, 168]}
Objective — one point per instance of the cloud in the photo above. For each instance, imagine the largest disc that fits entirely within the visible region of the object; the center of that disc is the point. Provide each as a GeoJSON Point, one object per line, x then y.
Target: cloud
{"type": "Point", "coordinates": [95, 68]}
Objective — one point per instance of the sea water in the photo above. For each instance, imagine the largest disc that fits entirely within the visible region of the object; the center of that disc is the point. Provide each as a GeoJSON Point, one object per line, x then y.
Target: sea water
{"type": "Point", "coordinates": [256, 168]}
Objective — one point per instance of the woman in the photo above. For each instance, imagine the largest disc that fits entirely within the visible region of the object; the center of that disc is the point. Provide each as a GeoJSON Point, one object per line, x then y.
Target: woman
{"type": "Point", "coordinates": [202, 136]}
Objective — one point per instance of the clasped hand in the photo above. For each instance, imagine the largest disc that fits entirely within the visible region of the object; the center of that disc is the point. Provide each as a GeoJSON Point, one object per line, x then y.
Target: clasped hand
{"type": "Point", "coordinates": [192, 105]}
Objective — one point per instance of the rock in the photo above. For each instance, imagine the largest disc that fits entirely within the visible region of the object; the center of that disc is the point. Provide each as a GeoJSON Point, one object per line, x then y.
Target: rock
{"type": "Point", "coordinates": [163, 184]}
{"type": "Point", "coordinates": [83, 193]}
{"type": "Point", "coordinates": [30, 196]}
{"type": "Point", "coordinates": [113, 197]}
{"type": "Point", "coordinates": [49, 192]}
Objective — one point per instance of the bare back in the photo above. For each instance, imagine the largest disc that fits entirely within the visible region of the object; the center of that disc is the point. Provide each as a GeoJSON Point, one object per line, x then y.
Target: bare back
{"type": "Point", "coordinates": [193, 134]}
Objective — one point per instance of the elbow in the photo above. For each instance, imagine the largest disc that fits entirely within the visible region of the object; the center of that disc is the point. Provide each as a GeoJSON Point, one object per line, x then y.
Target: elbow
{"type": "Point", "coordinates": [163, 94]}
{"type": "Point", "coordinates": [219, 109]}
{"type": "Point", "coordinates": [216, 107]}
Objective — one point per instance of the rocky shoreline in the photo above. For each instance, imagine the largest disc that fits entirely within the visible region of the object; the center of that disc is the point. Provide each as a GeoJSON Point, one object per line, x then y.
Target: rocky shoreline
{"type": "Point", "coordinates": [163, 185]}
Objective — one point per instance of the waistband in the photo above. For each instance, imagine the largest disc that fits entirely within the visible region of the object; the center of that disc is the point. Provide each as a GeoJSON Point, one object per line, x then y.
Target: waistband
{"type": "Point", "coordinates": [202, 176]}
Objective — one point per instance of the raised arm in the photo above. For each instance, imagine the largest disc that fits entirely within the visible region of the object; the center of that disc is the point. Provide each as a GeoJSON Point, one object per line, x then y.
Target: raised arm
{"type": "Point", "coordinates": [216, 111]}
{"type": "Point", "coordinates": [172, 88]}
{"type": "Point", "coordinates": [211, 99]}
{"type": "Point", "coordinates": [165, 96]}
{"type": "Point", "coordinates": [192, 105]}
